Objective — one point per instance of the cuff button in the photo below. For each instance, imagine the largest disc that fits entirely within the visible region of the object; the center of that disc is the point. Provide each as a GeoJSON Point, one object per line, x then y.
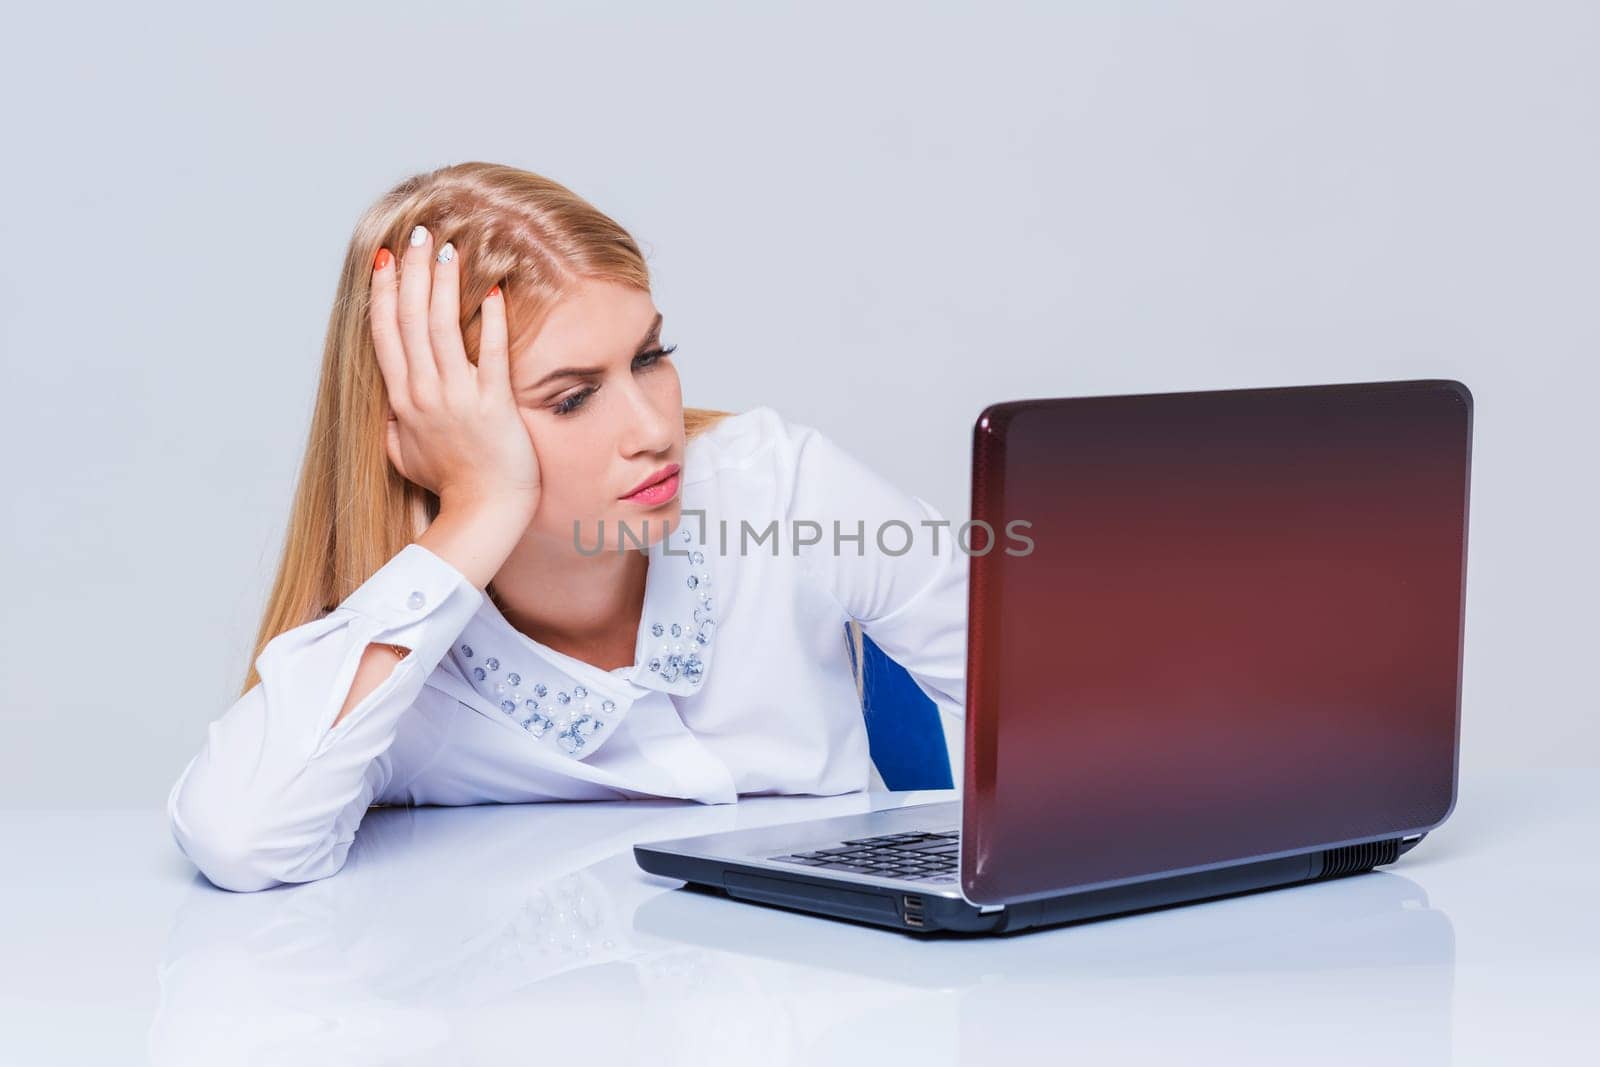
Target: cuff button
{"type": "Point", "coordinates": [416, 600]}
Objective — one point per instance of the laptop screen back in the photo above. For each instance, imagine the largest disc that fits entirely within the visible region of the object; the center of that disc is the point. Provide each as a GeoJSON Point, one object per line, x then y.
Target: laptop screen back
{"type": "Point", "coordinates": [1237, 632]}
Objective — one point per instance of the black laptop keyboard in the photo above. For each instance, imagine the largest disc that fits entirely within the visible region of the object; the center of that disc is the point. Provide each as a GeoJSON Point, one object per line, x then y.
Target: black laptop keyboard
{"type": "Point", "coordinates": [926, 857]}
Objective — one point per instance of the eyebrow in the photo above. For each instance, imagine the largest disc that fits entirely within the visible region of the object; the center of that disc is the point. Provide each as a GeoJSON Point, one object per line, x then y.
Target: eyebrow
{"type": "Point", "coordinates": [579, 372]}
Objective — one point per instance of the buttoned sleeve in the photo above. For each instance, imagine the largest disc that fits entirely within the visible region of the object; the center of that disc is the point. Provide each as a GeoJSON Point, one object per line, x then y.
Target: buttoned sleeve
{"type": "Point", "coordinates": [904, 578]}
{"type": "Point", "coordinates": [275, 795]}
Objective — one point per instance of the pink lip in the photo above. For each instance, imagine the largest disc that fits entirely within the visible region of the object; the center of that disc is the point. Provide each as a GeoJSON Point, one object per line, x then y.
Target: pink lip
{"type": "Point", "coordinates": [659, 487]}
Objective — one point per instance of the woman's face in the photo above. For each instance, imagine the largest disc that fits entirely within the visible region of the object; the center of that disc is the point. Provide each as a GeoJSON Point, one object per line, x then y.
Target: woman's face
{"type": "Point", "coordinates": [603, 405]}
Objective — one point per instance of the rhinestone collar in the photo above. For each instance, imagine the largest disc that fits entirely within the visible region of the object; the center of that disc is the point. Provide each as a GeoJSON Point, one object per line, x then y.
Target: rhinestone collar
{"type": "Point", "coordinates": [576, 705]}
{"type": "Point", "coordinates": [673, 650]}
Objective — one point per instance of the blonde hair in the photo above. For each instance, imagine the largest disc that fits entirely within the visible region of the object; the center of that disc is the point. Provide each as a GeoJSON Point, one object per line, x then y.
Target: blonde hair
{"type": "Point", "coordinates": [352, 511]}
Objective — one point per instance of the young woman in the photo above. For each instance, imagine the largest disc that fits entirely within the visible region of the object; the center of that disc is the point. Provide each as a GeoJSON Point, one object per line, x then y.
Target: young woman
{"type": "Point", "coordinates": [518, 569]}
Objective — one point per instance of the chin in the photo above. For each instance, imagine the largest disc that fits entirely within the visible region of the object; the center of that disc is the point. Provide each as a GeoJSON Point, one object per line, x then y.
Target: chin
{"type": "Point", "coordinates": [647, 527]}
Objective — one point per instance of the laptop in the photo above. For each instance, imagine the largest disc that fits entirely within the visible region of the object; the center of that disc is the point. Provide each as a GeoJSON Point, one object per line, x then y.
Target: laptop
{"type": "Point", "coordinates": [1230, 661]}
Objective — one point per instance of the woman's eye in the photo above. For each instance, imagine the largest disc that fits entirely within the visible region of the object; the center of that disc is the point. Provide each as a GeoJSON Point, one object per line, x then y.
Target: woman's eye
{"type": "Point", "coordinates": [654, 356]}
{"type": "Point", "coordinates": [572, 403]}
{"type": "Point", "coordinates": [643, 361]}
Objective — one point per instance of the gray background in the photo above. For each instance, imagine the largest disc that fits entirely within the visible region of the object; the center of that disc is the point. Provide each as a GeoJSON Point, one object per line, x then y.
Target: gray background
{"type": "Point", "coordinates": [877, 218]}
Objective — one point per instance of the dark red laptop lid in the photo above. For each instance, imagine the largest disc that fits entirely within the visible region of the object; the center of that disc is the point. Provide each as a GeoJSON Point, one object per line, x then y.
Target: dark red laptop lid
{"type": "Point", "coordinates": [1237, 632]}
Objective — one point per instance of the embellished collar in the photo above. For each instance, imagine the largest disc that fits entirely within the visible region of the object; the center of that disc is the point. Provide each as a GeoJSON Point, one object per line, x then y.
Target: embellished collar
{"type": "Point", "coordinates": [673, 650]}
{"type": "Point", "coordinates": [553, 695]}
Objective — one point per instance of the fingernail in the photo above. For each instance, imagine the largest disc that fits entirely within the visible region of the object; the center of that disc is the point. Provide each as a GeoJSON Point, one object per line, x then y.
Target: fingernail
{"type": "Point", "coordinates": [381, 260]}
{"type": "Point", "coordinates": [494, 290]}
{"type": "Point", "coordinates": [419, 235]}
{"type": "Point", "coordinates": [446, 253]}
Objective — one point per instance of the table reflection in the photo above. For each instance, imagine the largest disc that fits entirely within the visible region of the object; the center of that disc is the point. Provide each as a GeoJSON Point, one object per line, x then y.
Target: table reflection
{"type": "Point", "coordinates": [454, 934]}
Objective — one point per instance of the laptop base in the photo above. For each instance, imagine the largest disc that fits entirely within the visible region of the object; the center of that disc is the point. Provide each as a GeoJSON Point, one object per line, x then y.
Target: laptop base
{"type": "Point", "coordinates": [910, 911]}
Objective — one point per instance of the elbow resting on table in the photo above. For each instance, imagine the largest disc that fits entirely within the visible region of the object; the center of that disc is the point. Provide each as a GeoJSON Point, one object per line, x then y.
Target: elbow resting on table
{"type": "Point", "coordinates": [237, 852]}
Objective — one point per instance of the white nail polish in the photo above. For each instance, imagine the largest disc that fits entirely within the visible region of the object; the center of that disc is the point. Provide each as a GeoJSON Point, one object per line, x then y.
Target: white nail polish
{"type": "Point", "coordinates": [447, 253]}
{"type": "Point", "coordinates": [419, 235]}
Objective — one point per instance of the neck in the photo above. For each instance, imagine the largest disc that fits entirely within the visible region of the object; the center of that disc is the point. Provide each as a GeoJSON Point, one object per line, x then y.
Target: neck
{"type": "Point", "coordinates": [587, 607]}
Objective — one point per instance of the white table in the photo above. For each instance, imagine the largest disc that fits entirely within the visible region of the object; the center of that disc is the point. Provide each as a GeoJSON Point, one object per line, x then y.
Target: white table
{"type": "Point", "coordinates": [526, 934]}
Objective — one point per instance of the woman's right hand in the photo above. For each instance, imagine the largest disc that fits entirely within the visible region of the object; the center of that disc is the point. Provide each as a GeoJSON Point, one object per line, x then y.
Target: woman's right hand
{"type": "Point", "coordinates": [454, 428]}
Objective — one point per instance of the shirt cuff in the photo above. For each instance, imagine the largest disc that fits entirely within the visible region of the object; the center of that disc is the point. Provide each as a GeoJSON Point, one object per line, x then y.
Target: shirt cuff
{"type": "Point", "coordinates": [419, 601]}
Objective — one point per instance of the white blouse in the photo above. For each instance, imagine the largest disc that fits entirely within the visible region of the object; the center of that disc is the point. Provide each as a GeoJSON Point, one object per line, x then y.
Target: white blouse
{"type": "Point", "coordinates": [741, 683]}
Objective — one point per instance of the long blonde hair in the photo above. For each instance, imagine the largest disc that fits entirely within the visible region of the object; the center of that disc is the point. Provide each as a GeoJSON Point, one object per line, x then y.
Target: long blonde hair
{"type": "Point", "coordinates": [352, 510]}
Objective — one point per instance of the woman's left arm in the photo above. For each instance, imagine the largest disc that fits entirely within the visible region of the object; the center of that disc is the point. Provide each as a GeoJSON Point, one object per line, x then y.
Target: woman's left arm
{"type": "Point", "coordinates": [894, 564]}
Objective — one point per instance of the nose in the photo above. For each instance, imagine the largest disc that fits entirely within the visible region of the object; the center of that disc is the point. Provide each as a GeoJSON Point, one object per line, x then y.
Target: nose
{"type": "Point", "coordinates": [649, 430]}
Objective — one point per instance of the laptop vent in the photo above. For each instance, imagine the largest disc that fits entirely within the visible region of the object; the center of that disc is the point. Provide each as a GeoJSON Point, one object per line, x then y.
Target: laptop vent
{"type": "Point", "coordinates": [1353, 858]}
